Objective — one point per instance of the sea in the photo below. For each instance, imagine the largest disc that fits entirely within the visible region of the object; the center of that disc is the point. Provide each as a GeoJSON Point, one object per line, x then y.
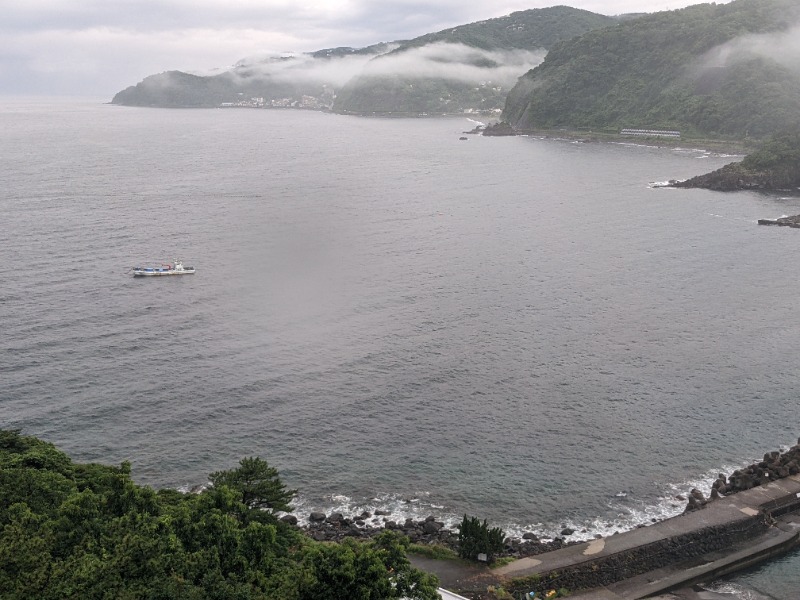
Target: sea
{"type": "Point", "coordinates": [529, 330]}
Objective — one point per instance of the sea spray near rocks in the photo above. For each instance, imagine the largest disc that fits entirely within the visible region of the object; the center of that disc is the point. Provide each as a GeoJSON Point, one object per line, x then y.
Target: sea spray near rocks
{"type": "Point", "coordinates": [774, 466]}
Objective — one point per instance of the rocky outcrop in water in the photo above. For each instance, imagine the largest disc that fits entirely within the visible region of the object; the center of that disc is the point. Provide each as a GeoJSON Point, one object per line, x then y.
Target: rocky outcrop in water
{"type": "Point", "coordinates": [734, 176]}
{"type": "Point", "coordinates": [775, 166]}
{"type": "Point", "coordinates": [793, 221]}
{"type": "Point", "coordinates": [499, 129]}
{"type": "Point", "coordinates": [774, 466]}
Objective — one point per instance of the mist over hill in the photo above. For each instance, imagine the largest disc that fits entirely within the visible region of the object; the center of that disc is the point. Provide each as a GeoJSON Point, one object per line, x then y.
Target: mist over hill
{"type": "Point", "coordinates": [729, 70]}
{"type": "Point", "coordinates": [467, 67]}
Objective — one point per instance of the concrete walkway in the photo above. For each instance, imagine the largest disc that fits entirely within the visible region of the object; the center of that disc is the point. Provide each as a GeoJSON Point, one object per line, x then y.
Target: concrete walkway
{"type": "Point", "coordinates": [776, 498]}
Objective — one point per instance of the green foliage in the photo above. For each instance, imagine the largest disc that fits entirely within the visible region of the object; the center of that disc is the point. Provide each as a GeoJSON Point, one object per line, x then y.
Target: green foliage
{"type": "Point", "coordinates": [503, 561]}
{"type": "Point", "coordinates": [499, 593]}
{"type": "Point", "coordinates": [773, 166]}
{"type": "Point", "coordinates": [258, 485]}
{"type": "Point", "coordinates": [476, 538]}
{"type": "Point", "coordinates": [526, 29]}
{"type": "Point", "coordinates": [780, 151]}
{"type": "Point", "coordinates": [410, 94]}
{"type": "Point", "coordinates": [89, 532]}
{"type": "Point", "coordinates": [680, 69]}
{"type": "Point", "coordinates": [531, 30]}
{"type": "Point", "coordinates": [434, 551]}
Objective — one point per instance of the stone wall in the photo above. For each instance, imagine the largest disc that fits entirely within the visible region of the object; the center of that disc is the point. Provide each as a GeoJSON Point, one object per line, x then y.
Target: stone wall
{"type": "Point", "coordinates": [626, 564]}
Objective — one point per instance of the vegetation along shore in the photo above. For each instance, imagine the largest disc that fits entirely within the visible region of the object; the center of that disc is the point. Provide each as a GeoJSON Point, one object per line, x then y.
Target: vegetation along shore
{"type": "Point", "coordinates": [87, 530]}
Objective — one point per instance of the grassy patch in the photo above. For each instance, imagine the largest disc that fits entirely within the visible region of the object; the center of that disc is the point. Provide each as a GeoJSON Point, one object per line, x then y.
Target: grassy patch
{"type": "Point", "coordinates": [503, 561]}
{"type": "Point", "coordinates": [433, 551]}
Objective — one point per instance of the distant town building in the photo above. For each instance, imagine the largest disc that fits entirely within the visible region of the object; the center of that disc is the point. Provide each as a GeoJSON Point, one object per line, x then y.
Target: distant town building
{"type": "Point", "coordinates": [651, 133]}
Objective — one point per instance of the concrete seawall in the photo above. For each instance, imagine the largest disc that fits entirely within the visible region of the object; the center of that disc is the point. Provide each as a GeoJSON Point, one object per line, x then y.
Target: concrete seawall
{"type": "Point", "coordinates": [728, 534]}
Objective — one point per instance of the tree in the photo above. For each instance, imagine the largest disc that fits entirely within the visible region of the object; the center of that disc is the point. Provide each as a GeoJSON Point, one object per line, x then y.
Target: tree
{"type": "Point", "coordinates": [476, 538]}
{"type": "Point", "coordinates": [258, 483]}
{"type": "Point", "coordinates": [378, 570]}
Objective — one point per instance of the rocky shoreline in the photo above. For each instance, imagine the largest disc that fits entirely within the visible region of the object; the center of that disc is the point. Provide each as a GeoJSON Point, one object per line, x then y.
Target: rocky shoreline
{"type": "Point", "coordinates": [774, 466]}
{"type": "Point", "coordinates": [793, 221]}
{"type": "Point", "coordinates": [335, 527]}
{"type": "Point", "coordinates": [733, 177]}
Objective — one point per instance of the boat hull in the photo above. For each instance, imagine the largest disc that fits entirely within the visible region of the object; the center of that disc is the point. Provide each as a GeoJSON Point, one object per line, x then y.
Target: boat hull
{"type": "Point", "coordinates": [162, 272]}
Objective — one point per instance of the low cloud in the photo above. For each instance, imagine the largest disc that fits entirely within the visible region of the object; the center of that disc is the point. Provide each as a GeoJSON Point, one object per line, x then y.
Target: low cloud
{"type": "Point", "coordinates": [782, 47]}
{"type": "Point", "coordinates": [303, 68]}
{"type": "Point", "coordinates": [454, 62]}
{"type": "Point", "coordinates": [457, 62]}
{"type": "Point", "coordinates": [100, 47]}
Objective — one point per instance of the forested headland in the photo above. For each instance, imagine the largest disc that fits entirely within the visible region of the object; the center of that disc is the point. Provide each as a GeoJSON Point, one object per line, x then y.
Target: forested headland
{"type": "Point", "coordinates": [775, 166]}
{"type": "Point", "coordinates": [72, 530]}
{"type": "Point", "coordinates": [713, 70]}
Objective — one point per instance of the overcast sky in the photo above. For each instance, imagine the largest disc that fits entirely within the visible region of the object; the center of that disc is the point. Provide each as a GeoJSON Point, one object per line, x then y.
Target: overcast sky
{"type": "Point", "coordinates": [98, 47]}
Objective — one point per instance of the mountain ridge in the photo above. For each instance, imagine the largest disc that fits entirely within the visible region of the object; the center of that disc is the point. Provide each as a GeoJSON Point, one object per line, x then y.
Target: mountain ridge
{"type": "Point", "coordinates": [461, 64]}
{"type": "Point", "coordinates": [706, 70]}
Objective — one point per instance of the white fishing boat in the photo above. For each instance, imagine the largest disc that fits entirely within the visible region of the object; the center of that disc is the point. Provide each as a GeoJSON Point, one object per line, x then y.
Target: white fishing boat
{"type": "Point", "coordinates": [169, 269]}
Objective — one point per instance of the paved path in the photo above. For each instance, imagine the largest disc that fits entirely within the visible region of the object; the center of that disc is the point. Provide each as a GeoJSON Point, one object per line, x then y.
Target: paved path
{"type": "Point", "coordinates": [725, 511]}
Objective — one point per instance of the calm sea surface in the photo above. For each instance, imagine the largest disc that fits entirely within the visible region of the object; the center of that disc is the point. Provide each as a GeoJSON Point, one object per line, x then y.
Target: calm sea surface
{"type": "Point", "coordinates": [516, 328]}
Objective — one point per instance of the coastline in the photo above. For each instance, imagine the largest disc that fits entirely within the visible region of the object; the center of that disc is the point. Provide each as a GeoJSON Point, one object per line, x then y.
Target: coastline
{"type": "Point", "coordinates": [715, 145]}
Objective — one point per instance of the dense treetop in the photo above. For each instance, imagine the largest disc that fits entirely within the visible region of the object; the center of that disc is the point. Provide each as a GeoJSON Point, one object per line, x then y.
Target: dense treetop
{"type": "Point", "coordinates": [526, 29]}
{"type": "Point", "coordinates": [699, 69]}
{"type": "Point", "coordinates": [87, 531]}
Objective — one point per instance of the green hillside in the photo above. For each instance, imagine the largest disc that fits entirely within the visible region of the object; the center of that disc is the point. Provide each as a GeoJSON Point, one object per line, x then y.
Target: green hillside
{"type": "Point", "coordinates": [526, 29]}
{"type": "Point", "coordinates": [403, 82]}
{"type": "Point", "coordinates": [70, 530]}
{"type": "Point", "coordinates": [704, 70]}
{"type": "Point", "coordinates": [775, 166]}
{"type": "Point", "coordinates": [297, 81]}
{"type": "Point", "coordinates": [469, 66]}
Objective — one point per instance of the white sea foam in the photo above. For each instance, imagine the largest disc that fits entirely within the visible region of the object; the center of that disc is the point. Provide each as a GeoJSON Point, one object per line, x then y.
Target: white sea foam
{"type": "Point", "coordinates": [416, 506]}
{"type": "Point", "coordinates": [625, 510]}
{"type": "Point", "coordinates": [663, 184]}
{"type": "Point", "coordinates": [735, 590]}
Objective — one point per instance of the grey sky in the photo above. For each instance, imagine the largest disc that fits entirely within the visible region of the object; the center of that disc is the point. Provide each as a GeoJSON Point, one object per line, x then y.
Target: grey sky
{"type": "Point", "coordinates": [98, 47]}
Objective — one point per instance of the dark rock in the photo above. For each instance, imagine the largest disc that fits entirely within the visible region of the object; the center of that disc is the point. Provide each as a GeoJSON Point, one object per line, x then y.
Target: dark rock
{"type": "Point", "coordinates": [290, 519]}
{"type": "Point", "coordinates": [530, 536]}
{"type": "Point", "coordinates": [335, 518]}
{"type": "Point", "coordinates": [431, 527]}
{"type": "Point", "coordinates": [499, 129]}
{"type": "Point", "coordinates": [567, 531]}
{"type": "Point", "coordinates": [316, 517]}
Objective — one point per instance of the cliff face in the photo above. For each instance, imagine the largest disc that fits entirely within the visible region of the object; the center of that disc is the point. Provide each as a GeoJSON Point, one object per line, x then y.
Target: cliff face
{"type": "Point", "coordinates": [716, 70]}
